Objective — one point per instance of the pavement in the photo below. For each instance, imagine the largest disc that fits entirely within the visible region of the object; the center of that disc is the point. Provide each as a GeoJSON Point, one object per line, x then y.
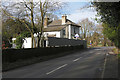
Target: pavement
{"type": "Point", "coordinates": [111, 65]}
{"type": "Point", "coordinates": [81, 64]}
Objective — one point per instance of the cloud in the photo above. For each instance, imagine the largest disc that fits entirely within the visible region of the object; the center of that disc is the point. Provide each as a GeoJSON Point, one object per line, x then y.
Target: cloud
{"type": "Point", "coordinates": [79, 15]}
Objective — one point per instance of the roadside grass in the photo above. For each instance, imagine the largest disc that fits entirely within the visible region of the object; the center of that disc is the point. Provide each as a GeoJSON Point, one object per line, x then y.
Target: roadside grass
{"type": "Point", "coordinates": [93, 46]}
{"type": "Point", "coordinates": [116, 50]}
{"type": "Point", "coordinates": [118, 56]}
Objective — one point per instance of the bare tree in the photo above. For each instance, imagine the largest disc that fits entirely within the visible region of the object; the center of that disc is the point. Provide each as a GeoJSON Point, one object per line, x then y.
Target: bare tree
{"type": "Point", "coordinates": [15, 14]}
{"type": "Point", "coordinates": [46, 8]}
{"type": "Point", "coordinates": [29, 13]}
{"type": "Point", "coordinates": [86, 27]}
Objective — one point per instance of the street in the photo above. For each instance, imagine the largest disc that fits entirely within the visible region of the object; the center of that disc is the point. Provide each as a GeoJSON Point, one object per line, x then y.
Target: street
{"type": "Point", "coordinates": [81, 64]}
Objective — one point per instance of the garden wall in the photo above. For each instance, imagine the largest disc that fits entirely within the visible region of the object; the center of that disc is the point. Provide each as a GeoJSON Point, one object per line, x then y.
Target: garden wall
{"type": "Point", "coordinates": [12, 55]}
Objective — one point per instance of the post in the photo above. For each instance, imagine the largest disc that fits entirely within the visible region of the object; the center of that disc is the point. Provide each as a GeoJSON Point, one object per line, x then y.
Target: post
{"type": "Point", "coordinates": [69, 31]}
{"type": "Point", "coordinates": [46, 38]}
{"type": "Point", "coordinates": [47, 43]}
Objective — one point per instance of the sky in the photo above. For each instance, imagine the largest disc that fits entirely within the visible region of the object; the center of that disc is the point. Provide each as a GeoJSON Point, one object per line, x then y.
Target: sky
{"type": "Point", "coordinates": [75, 13]}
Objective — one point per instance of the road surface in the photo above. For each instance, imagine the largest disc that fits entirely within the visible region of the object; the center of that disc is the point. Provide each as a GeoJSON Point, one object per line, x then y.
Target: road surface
{"type": "Point", "coordinates": [82, 64]}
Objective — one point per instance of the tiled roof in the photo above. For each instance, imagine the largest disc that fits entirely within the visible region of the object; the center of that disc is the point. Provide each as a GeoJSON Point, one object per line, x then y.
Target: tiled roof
{"type": "Point", "coordinates": [59, 22]}
{"type": "Point", "coordinates": [72, 23]}
{"type": "Point", "coordinates": [57, 25]}
{"type": "Point", "coordinates": [53, 28]}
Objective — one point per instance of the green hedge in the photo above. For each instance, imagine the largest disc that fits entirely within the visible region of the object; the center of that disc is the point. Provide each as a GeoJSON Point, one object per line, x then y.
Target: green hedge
{"type": "Point", "coordinates": [12, 55]}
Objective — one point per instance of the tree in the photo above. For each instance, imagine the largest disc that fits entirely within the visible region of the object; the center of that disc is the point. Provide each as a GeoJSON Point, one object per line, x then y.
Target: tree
{"type": "Point", "coordinates": [46, 8]}
{"type": "Point", "coordinates": [31, 10]}
{"type": "Point", "coordinates": [95, 38]}
{"type": "Point", "coordinates": [20, 39]}
{"type": "Point", "coordinates": [112, 34]}
{"type": "Point", "coordinates": [12, 15]}
{"type": "Point", "coordinates": [86, 27]}
{"type": "Point", "coordinates": [11, 28]}
{"type": "Point", "coordinates": [109, 12]}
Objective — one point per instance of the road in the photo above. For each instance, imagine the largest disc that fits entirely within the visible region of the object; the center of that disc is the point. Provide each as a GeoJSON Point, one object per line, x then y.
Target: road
{"type": "Point", "coordinates": [81, 64]}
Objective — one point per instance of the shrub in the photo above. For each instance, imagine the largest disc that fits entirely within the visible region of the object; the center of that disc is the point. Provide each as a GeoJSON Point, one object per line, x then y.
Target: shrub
{"type": "Point", "coordinates": [3, 45]}
{"type": "Point", "coordinates": [20, 39]}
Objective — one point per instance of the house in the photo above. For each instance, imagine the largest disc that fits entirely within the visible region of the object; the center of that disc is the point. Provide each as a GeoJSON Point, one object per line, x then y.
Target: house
{"type": "Point", "coordinates": [62, 28]}
{"type": "Point", "coordinates": [58, 32]}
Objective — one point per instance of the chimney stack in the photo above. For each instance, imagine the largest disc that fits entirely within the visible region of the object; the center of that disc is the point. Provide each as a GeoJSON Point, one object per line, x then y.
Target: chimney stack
{"type": "Point", "coordinates": [45, 22]}
{"type": "Point", "coordinates": [64, 18]}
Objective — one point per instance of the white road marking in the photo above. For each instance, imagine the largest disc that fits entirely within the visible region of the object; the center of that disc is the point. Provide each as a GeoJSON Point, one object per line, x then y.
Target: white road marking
{"type": "Point", "coordinates": [102, 76]}
{"type": "Point", "coordinates": [57, 69]}
{"type": "Point", "coordinates": [77, 59]}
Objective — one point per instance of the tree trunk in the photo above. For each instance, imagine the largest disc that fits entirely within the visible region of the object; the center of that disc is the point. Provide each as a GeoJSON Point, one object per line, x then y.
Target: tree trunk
{"type": "Point", "coordinates": [31, 42]}
{"type": "Point", "coordinates": [34, 42]}
{"type": "Point", "coordinates": [38, 41]}
{"type": "Point", "coordinates": [41, 40]}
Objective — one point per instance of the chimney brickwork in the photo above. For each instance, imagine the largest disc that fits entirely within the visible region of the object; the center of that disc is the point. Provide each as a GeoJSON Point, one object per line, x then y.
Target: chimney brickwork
{"type": "Point", "coordinates": [64, 18]}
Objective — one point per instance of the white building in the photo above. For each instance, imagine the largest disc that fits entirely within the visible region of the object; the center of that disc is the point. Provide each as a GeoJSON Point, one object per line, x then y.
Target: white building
{"type": "Point", "coordinates": [62, 28]}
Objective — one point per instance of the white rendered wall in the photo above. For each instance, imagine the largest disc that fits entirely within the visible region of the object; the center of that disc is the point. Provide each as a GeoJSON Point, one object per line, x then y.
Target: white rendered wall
{"type": "Point", "coordinates": [57, 33]}
{"type": "Point", "coordinates": [27, 43]}
{"type": "Point", "coordinates": [13, 45]}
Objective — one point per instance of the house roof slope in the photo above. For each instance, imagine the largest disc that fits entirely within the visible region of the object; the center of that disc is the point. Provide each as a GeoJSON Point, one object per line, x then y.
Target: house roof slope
{"type": "Point", "coordinates": [59, 23]}
{"type": "Point", "coordinates": [53, 28]}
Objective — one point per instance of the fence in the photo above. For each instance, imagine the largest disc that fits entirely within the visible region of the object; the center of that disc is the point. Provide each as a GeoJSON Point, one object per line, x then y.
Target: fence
{"type": "Point", "coordinates": [53, 41]}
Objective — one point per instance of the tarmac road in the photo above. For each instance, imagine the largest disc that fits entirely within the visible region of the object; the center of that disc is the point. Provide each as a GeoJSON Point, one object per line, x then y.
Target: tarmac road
{"type": "Point", "coordinates": [80, 64]}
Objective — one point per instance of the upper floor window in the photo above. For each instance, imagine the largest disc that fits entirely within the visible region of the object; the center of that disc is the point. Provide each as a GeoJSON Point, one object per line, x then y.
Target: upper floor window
{"type": "Point", "coordinates": [63, 32]}
{"type": "Point", "coordinates": [74, 30]}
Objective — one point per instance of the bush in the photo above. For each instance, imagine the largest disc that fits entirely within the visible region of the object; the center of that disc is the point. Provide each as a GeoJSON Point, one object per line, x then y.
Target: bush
{"type": "Point", "coordinates": [112, 33]}
{"type": "Point", "coordinates": [20, 39]}
{"type": "Point", "coordinates": [4, 45]}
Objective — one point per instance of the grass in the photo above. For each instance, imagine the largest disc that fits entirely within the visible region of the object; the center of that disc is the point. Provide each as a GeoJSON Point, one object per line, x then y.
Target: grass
{"type": "Point", "coordinates": [116, 50]}
{"type": "Point", "coordinates": [118, 56]}
{"type": "Point", "coordinates": [99, 45]}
